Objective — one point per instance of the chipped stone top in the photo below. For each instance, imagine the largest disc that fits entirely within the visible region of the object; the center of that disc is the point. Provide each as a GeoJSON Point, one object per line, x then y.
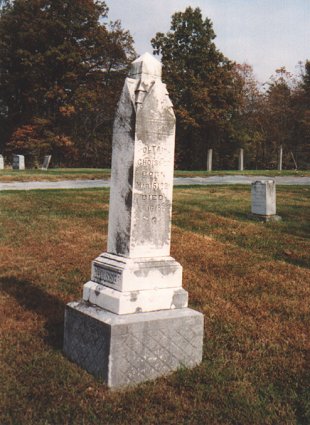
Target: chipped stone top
{"type": "Point", "coordinates": [142, 165]}
{"type": "Point", "coordinates": [146, 65]}
{"type": "Point", "coordinates": [264, 181]}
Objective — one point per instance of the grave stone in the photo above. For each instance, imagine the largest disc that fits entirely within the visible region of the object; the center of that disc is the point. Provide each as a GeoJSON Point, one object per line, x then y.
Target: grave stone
{"type": "Point", "coordinates": [18, 162]}
{"type": "Point", "coordinates": [46, 162]}
{"type": "Point", "coordinates": [133, 323]}
{"type": "Point", "coordinates": [280, 158]}
{"type": "Point", "coordinates": [263, 194]}
{"type": "Point", "coordinates": [1, 163]}
{"type": "Point", "coordinates": [240, 160]}
{"type": "Point", "coordinates": [209, 160]}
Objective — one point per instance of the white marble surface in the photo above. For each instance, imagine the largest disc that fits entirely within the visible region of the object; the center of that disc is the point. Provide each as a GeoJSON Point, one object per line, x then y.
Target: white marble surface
{"type": "Point", "coordinates": [132, 274]}
{"type": "Point", "coordinates": [263, 197]}
{"type": "Point", "coordinates": [130, 302]}
{"type": "Point", "coordinates": [142, 165]}
{"type": "Point", "coordinates": [18, 162]}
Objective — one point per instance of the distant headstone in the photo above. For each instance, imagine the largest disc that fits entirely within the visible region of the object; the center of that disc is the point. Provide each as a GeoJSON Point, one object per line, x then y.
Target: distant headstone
{"type": "Point", "coordinates": [264, 200]}
{"type": "Point", "coordinates": [209, 160]}
{"type": "Point", "coordinates": [1, 163]}
{"type": "Point", "coordinates": [18, 162]}
{"type": "Point", "coordinates": [46, 162]}
{"type": "Point", "coordinates": [133, 324]}
{"type": "Point", "coordinates": [240, 161]}
{"type": "Point", "coordinates": [280, 161]}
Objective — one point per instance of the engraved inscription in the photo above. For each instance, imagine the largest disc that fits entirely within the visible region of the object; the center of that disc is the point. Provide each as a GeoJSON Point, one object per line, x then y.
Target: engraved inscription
{"type": "Point", "coordinates": [101, 275]}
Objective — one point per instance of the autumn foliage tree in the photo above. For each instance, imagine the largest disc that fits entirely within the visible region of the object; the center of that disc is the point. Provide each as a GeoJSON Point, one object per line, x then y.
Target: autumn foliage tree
{"type": "Point", "coordinates": [61, 68]}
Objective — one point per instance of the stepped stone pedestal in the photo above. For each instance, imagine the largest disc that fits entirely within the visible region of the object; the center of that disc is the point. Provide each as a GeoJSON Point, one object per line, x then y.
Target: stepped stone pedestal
{"type": "Point", "coordinates": [133, 323]}
{"type": "Point", "coordinates": [128, 349]}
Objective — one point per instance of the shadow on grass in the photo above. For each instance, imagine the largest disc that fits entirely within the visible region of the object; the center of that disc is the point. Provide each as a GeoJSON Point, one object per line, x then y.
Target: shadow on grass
{"type": "Point", "coordinates": [32, 298]}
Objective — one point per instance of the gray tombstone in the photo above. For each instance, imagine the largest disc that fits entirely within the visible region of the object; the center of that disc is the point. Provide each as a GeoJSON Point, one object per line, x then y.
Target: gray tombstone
{"type": "Point", "coordinates": [1, 163]}
{"type": "Point", "coordinates": [240, 160]}
{"type": "Point", "coordinates": [46, 162]}
{"type": "Point", "coordinates": [280, 158]}
{"type": "Point", "coordinates": [133, 323]}
{"type": "Point", "coordinates": [18, 162]}
{"type": "Point", "coordinates": [209, 160]}
{"type": "Point", "coordinates": [263, 206]}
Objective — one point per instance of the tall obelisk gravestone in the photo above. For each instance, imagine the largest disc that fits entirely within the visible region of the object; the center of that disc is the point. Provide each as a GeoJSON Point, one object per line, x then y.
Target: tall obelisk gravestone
{"type": "Point", "coordinates": [133, 323]}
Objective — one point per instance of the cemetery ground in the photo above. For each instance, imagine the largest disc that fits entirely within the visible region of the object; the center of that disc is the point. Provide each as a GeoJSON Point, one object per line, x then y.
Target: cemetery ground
{"type": "Point", "coordinates": [57, 174]}
{"type": "Point", "coordinates": [250, 280]}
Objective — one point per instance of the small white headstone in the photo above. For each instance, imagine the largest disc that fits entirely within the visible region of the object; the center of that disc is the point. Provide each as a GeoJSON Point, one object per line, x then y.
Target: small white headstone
{"type": "Point", "coordinates": [18, 162]}
{"type": "Point", "coordinates": [264, 197]}
{"type": "Point", "coordinates": [1, 163]}
{"type": "Point", "coordinates": [46, 162]}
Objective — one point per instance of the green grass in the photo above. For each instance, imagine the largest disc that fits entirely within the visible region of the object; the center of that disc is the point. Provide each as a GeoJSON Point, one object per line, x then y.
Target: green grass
{"type": "Point", "coordinates": [250, 280]}
{"type": "Point", "coordinates": [54, 174]}
{"type": "Point", "coordinates": [271, 173]}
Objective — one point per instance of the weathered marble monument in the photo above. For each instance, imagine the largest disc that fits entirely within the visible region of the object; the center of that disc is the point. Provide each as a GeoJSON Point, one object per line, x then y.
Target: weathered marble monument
{"type": "Point", "coordinates": [18, 162]}
{"type": "Point", "coordinates": [1, 163]}
{"type": "Point", "coordinates": [263, 194]}
{"type": "Point", "coordinates": [46, 162]}
{"type": "Point", "coordinates": [133, 323]}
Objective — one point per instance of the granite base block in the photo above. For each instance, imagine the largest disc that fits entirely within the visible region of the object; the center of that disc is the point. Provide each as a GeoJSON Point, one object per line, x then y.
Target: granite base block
{"type": "Point", "coordinates": [265, 218]}
{"type": "Point", "coordinates": [128, 349]}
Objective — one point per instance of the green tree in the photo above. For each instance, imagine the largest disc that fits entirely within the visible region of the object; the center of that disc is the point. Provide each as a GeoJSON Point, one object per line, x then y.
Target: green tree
{"type": "Point", "coordinates": [61, 66]}
{"type": "Point", "coordinates": [280, 117]}
{"type": "Point", "coordinates": [200, 80]}
{"type": "Point", "coordinates": [301, 104]}
{"type": "Point", "coordinates": [248, 130]}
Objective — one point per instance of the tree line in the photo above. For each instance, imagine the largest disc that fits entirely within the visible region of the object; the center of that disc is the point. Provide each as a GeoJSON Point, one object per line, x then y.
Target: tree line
{"type": "Point", "coordinates": [63, 64]}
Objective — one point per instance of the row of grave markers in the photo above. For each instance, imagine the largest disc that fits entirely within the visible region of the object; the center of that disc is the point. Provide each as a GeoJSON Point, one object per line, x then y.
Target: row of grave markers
{"type": "Point", "coordinates": [19, 162]}
{"type": "Point", "coordinates": [241, 159]}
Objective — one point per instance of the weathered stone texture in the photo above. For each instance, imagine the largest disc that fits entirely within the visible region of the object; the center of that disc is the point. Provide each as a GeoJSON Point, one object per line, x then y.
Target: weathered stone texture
{"type": "Point", "coordinates": [263, 197]}
{"type": "Point", "coordinates": [138, 258]}
{"type": "Point", "coordinates": [128, 349]}
{"type": "Point", "coordinates": [133, 324]}
{"type": "Point", "coordinates": [18, 162]}
{"type": "Point", "coordinates": [142, 165]}
{"type": "Point", "coordinates": [46, 162]}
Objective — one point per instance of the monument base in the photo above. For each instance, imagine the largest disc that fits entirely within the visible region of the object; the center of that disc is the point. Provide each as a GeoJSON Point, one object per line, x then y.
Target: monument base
{"type": "Point", "coordinates": [265, 218]}
{"type": "Point", "coordinates": [134, 301]}
{"type": "Point", "coordinates": [128, 349]}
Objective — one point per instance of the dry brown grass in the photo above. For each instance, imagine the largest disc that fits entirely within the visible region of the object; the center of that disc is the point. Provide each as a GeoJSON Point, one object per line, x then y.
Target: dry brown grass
{"type": "Point", "coordinates": [255, 368]}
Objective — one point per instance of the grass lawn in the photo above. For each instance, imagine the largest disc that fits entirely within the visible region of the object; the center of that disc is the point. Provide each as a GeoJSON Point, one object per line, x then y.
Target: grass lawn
{"type": "Point", "coordinates": [54, 174]}
{"type": "Point", "coordinates": [251, 280]}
